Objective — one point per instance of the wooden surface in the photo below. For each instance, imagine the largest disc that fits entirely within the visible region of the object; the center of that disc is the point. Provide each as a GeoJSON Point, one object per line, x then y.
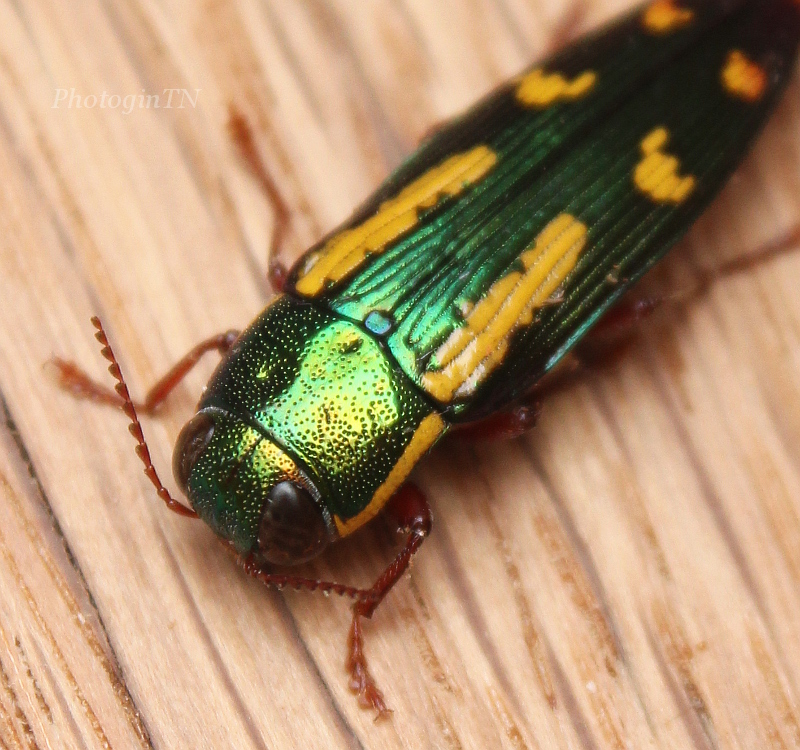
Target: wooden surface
{"type": "Point", "coordinates": [626, 576]}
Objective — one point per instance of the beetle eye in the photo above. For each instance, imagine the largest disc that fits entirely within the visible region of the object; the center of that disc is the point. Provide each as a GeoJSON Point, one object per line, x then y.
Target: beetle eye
{"type": "Point", "coordinates": [193, 439]}
{"type": "Point", "coordinates": [292, 528]}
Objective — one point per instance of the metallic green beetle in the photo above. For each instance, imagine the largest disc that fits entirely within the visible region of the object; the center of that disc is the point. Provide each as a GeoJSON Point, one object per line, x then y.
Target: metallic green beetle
{"type": "Point", "coordinates": [468, 276]}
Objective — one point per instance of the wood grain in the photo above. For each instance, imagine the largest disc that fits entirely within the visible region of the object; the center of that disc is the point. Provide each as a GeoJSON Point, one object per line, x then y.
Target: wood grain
{"type": "Point", "coordinates": [626, 576]}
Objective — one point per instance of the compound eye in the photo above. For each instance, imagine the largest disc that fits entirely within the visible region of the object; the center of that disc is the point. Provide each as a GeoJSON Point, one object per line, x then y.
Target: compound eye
{"type": "Point", "coordinates": [192, 441]}
{"type": "Point", "coordinates": [292, 528]}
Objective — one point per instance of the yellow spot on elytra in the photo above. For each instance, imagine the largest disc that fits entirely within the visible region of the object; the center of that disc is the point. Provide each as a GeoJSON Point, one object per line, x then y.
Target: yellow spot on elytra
{"type": "Point", "coordinates": [540, 89]}
{"type": "Point", "coordinates": [743, 78]}
{"type": "Point", "coordinates": [473, 350]}
{"type": "Point", "coordinates": [656, 175]}
{"type": "Point", "coordinates": [664, 16]}
{"type": "Point", "coordinates": [426, 435]}
{"type": "Point", "coordinates": [346, 251]}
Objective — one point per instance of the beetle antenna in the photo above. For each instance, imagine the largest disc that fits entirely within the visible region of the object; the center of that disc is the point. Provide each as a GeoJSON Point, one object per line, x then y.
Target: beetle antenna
{"type": "Point", "coordinates": [135, 427]}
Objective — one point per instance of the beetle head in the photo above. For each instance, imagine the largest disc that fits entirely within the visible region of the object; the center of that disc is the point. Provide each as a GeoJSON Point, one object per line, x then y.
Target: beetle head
{"type": "Point", "coordinates": [249, 490]}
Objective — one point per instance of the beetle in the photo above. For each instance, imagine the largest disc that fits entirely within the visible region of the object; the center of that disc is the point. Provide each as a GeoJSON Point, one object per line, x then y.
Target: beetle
{"type": "Point", "coordinates": [461, 284]}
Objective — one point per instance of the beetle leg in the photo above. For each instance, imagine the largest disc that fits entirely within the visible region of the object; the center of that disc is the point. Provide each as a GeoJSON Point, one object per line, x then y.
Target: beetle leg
{"type": "Point", "coordinates": [629, 311]}
{"type": "Point", "coordinates": [74, 380]}
{"type": "Point", "coordinates": [431, 130]}
{"type": "Point", "coordinates": [567, 28]}
{"type": "Point", "coordinates": [615, 331]}
{"type": "Point", "coordinates": [409, 508]}
{"type": "Point", "coordinates": [622, 318]}
{"type": "Point", "coordinates": [277, 273]}
{"type": "Point", "coordinates": [783, 245]}
{"type": "Point", "coordinates": [504, 425]}
{"type": "Point", "coordinates": [242, 136]}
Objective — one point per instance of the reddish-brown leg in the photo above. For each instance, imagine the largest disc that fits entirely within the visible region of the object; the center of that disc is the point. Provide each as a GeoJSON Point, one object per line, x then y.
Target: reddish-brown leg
{"type": "Point", "coordinates": [277, 274]}
{"type": "Point", "coordinates": [629, 311]}
{"type": "Point", "coordinates": [566, 30]}
{"type": "Point", "coordinates": [242, 135]}
{"type": "Point", "coordinates": [432, 130]}
{"type": "Point", "coordinates": [410, 509]}
{"type": "Point", "coordinates": [615, 331]}
{"type": "Point", "coordinates": [505, 425]}
{"type": "Point", "coordinates": [625, 314]}
{"type": "Point", "coordinates": [783, 245]}
{"type": "Point", "coordinates": [71, 378]}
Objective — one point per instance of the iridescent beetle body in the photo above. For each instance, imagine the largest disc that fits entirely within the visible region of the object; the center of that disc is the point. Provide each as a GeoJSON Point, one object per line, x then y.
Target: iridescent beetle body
{"type": "Point", "coordinates": [471, 273]}
{"type": "Point", "coordinates": [487, 256]}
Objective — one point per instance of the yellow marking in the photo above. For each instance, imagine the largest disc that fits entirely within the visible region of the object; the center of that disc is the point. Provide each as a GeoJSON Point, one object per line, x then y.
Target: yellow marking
{"type": "Point", "coordinates": [743, 78]}
{"type": "Point", "coordinates": [472, 351]}
{"type": "Point", "coordinates": [426, 435]}
{"type": "Point", "coordinates": [348, 249]}
{"type": "Point", "coordinates": [664, 16]}
{"type": "Point", "coordinates": [540, 89]}
{"type": "Point", "coordinates": [657, 174]}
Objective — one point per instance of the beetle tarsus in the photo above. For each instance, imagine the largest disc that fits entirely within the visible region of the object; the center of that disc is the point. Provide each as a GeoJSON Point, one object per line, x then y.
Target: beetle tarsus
{"type": "Point", "coordinates": [361, 681]}
{"type": "Point", "coordinates": [75, 381]}
{"type": "Point", "coordinates": [787, 243]}
{"type": "Point", "coordinates": [70, 378]}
